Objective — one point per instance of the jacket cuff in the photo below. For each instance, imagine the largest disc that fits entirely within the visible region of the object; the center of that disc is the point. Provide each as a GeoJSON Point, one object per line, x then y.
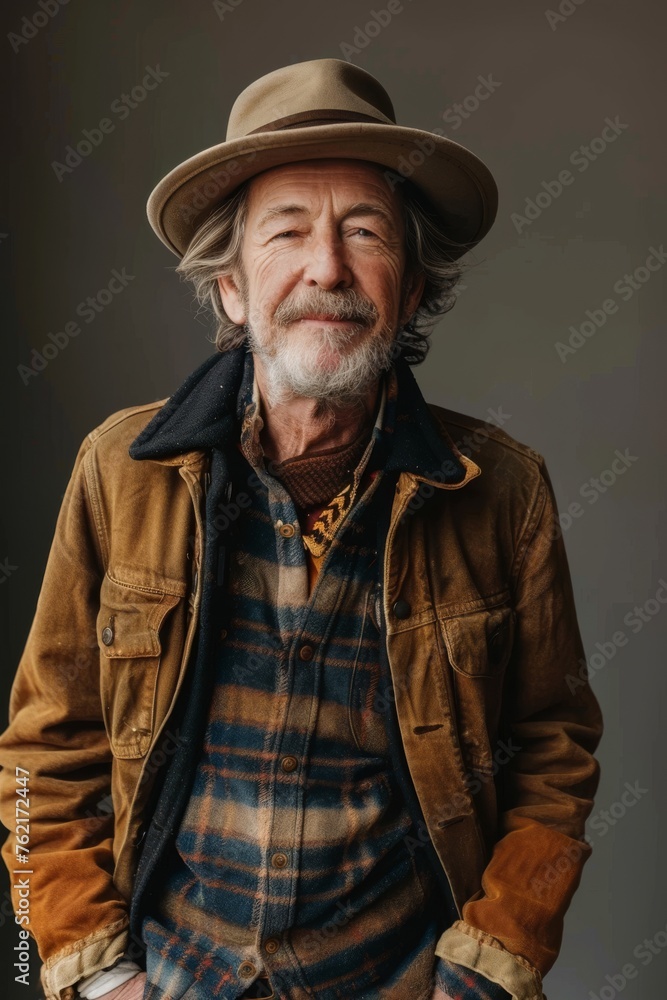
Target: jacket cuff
{"type": "Point", "coordinates": [106, 980]}
{"type": "Point", "coordinates": [77, 961]}
{"type": "Point", "coordinates": [463, 944]}
{"type": "Point", "coordinates": [466, 984]}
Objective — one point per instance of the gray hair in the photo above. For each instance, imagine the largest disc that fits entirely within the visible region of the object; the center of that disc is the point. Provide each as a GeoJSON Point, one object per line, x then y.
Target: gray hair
{"type": "Point", "coordinates": [215, 249]}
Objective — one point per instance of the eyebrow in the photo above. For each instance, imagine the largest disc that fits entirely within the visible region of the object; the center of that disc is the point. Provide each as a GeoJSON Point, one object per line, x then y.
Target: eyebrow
{"type": "Point", "coordinates": [360, 208]}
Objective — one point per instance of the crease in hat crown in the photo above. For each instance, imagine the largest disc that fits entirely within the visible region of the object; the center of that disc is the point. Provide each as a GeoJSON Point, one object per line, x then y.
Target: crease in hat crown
{"type": "Point", "coordinates": [317, 85]}
{"type": "Point", "coordinates": [319, 109]}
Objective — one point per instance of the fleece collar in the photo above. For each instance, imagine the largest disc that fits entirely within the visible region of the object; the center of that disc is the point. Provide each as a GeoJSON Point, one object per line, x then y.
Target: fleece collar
{"type": "Point", "coordinates": [203, 413]}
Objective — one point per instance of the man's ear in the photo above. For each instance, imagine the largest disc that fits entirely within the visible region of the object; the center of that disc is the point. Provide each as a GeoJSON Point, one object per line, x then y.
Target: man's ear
{"type": "Point", "coordinates": [413, 291]}
{"type": "Point", "coordinates": [231, 299]}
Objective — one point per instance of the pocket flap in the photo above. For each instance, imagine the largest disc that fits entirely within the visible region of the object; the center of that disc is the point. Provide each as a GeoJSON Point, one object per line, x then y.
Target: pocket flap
{"type": "Point", "coordinates": [130, 618]}
{"type": "Point", "coordinates": [480, 643]}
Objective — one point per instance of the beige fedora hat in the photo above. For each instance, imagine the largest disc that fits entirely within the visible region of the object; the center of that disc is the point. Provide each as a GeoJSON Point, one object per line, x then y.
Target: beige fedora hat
{"type": "Point", "coordinates": [318, 109]}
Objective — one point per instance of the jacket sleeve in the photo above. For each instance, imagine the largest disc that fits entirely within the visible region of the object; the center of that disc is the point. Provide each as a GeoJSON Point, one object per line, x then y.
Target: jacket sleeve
{"type": "Point", "coordinates": [511, 930]}
{"type": "Point", "coordinates": [56, 739]}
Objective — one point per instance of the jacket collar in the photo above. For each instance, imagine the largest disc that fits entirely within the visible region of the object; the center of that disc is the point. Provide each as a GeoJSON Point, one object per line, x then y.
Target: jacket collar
{"type": "Point", "coordinates": [203, 413]}
{"type": "Point", "coordinates": [421, 445]}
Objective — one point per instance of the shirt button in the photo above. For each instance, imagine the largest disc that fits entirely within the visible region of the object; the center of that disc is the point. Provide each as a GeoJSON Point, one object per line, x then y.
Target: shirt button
{"type": "Point", "coordinates": [246, 970]}
{"type": "Point", "coordinates": [286, 530]}
{"type": "Point", "coordinates": [401, 609]}
{"type": "Point", "coordinates": [272, 945]}
{"type": "Point", "coordinates": [306, 652]}
{"type": "Point", "coordinates": [279, 860]}
{"type": "Point", "coordinates": [289, 763]}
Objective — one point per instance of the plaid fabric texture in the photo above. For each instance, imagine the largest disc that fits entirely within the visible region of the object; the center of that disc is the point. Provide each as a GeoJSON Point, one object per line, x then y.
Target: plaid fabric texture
{"type": "Point", "coordinates": [291, 859]}
{"type": "Point", "coordinates": [464, 984]}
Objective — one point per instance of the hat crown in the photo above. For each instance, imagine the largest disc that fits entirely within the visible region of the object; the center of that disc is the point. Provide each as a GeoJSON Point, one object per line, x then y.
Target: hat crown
{"type": "Point", "coordinates": [319, 91]}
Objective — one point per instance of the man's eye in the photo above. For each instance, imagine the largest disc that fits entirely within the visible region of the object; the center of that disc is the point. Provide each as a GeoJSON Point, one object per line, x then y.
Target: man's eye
{"type": "Point", "coordinates": [365, 233]}
{"type": "Point", "coordinates": [288, 232]}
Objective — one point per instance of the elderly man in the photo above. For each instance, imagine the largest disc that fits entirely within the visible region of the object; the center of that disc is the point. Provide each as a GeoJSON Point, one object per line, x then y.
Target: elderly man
{"type": "Point", "coordinates": [301, 711]}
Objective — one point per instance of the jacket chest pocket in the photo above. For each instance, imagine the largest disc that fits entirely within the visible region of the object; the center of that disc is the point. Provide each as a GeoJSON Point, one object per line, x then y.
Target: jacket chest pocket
{"type": "Point", "coordinates": [479, 647]}
{"type": "Point", "coordinates": [129, 627]}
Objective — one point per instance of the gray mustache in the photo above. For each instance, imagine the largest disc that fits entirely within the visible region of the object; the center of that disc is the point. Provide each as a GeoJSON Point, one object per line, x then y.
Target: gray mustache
{"type": "Point", "coordinates": [346, 305]}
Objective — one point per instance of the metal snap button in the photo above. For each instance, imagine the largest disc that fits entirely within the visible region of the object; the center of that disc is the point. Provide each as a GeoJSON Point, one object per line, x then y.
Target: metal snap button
{"type": "Point", "coordinates": [107, 635]}
{"type": "Point", "coordinates": [401, 609]}
{"type": "Point", "coordinates": [279, 860]}
{"type": "Point", "coordinates": [246, 970]}
{"type": "Point", "coordinates": [272, 945]}
{"type": "Point", "coordinates": [289, 763]}
{"type": "Point", "coordinates": [286, 530]}
{"type": "Point", "coordinates": [306, 652]}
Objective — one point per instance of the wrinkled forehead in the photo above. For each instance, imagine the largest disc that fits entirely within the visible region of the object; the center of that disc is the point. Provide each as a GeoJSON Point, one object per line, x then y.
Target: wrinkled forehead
{"type": "Point", "coordinates": [309, 181]}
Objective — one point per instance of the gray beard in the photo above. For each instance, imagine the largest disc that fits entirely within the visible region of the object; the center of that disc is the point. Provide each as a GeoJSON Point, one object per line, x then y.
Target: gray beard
{"type": "Point", "coordinates": [288, 374]}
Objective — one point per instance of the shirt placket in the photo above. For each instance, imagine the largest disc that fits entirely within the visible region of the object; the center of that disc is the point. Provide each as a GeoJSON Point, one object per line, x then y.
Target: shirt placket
{"type": "Point", "coordinates": [307, 660]}
{"type": "Point", "coordinates": [297, 684]}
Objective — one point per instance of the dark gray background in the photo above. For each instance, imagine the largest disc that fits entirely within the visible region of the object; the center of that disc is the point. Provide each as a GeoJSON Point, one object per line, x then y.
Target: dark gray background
{"type": "Point", "coordinates": [60, 241]}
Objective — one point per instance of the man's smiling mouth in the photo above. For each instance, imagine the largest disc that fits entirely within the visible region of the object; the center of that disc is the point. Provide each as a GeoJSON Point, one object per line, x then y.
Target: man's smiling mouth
{"type": "Point", "coordinates": [327, 318]}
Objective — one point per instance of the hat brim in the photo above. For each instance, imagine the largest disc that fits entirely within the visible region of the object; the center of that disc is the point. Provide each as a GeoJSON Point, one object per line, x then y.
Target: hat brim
{"type": "Point", "coordinates": [458, 184]}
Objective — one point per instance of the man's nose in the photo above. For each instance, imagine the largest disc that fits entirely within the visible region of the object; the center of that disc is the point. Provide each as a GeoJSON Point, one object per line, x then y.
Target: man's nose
{"type": "Point", "coordinates": [326, 264]}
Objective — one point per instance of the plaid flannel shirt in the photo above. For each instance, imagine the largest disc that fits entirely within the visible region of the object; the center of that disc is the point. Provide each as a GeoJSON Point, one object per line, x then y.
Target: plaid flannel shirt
{"type": "Point", "coordinates": [291, 859]}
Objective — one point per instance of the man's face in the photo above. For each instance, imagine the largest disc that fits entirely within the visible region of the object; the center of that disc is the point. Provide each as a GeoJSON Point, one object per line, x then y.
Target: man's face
{"type": "Point", "coordinates": [322, 288]}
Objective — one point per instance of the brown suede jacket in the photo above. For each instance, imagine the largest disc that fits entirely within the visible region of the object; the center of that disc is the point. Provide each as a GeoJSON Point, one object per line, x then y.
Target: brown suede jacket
{"type": "Point", "coordinates": [482, 642]}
